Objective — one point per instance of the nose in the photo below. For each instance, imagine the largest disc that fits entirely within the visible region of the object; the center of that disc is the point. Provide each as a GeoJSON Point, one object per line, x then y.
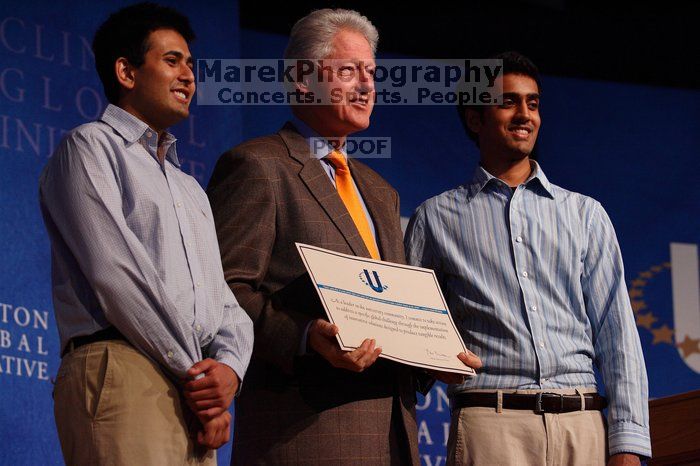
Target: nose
{"type": "Point", "coordinates": [366, 80]}
{"type": "Point", "coordinates": [186, 74]}
{"type": "Point", "coordinates": [523, 112]}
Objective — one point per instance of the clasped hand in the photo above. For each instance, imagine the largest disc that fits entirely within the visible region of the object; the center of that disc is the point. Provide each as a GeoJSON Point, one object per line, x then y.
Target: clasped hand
{"type": "Point", "coordinates": [209, 397]}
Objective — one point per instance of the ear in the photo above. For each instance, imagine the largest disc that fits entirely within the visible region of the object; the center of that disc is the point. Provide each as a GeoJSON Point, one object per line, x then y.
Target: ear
{"type": "Point", "coordinates": [473, 120]}
{"type": "Point", "coordinates": [125, 73]}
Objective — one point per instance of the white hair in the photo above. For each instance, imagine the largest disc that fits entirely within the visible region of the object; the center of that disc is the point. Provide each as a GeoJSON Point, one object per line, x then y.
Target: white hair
{"type": "Point", "coordinates": [312, 36]}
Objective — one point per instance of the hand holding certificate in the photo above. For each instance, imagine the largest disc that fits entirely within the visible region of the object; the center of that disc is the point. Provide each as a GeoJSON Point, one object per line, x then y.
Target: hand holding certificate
{"type": "Point", "coordinates": [398, 306]}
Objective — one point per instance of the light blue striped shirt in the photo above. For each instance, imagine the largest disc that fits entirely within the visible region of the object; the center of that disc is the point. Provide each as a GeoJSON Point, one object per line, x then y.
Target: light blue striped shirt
{"type": "Point", "coordinates": [134, 245]}
{"type": "Point", "coordinates": [535, 283]}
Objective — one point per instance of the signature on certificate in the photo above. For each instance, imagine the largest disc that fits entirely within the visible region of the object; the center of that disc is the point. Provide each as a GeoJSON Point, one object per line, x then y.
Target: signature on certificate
{"type": "Point", "coordinates": [436, 355]}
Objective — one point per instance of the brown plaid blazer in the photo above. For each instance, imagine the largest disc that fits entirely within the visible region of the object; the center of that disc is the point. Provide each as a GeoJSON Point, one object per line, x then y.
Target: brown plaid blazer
{"type": "Point", "coordinates": [267, 194]}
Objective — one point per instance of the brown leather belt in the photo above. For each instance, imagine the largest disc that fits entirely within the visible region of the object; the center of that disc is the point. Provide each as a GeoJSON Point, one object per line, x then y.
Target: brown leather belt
{"type": "Point", "coordinates": [109, 333]}
{"type": "Point", "coordinates": [539, 403]}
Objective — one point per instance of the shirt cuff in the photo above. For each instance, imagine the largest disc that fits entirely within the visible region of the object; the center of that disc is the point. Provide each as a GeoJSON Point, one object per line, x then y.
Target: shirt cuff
{"type": "Point", "coordinates": [628, 437]}
{"type": "Point", "coordinates": [175, 360]}
{"type": "Point", "coordinates": [304, 339]}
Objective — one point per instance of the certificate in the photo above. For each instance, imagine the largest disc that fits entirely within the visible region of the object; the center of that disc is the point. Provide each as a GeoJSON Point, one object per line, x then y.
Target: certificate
{"type": "Point", "coordinates": [400, 306]}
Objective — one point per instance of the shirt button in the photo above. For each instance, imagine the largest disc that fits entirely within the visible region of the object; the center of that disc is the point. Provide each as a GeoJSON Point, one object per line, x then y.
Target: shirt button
{"type": "Point", "coordinates": [519, 239]}
{"type": "Point", "coordinates": [170, 354]}
{"type": "Point", "coordinates": [149, 134]}
{"type": "Point", "coordinates": [198, 327]}
{"type": "Point", "coordinates": [524, 274]}
{"type": "Point", "coordinates": [179, 204]}
{"type": "Point", "coordinates": [199, 284]}
{"type": "Point", "coordinates": [541, 344]}
{"type": "Point", "coordinates": [534, 308]}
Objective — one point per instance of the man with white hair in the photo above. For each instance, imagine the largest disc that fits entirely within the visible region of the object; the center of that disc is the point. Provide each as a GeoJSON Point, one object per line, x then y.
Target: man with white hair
{"type": "Point", "coordinates": [305, 400]}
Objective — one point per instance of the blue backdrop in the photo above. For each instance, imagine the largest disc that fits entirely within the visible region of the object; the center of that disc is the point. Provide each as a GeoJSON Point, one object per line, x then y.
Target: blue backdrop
{"type": "Point", "coordinates": [633, 148]}
{"type": "Point", "coordinates": [48, 85]}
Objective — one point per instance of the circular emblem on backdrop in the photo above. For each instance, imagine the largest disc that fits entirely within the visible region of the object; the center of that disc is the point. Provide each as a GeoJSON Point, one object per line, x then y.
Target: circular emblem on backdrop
{"type": "Point", "coordinates": [645, 317]}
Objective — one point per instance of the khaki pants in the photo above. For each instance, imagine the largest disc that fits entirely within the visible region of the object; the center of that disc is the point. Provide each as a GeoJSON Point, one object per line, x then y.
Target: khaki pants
{"type": "Point", "coordinates": [114, 406]}
{"type": "Point", "coordinates": [484, 436]}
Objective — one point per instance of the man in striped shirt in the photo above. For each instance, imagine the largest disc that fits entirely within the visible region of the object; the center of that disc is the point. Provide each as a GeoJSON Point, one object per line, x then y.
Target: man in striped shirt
{"type": "Point", "coordinates": [534, 278]}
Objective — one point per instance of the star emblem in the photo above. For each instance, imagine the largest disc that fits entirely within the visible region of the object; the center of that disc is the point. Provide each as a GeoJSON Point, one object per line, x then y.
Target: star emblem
{"type": "Point", "coordinates": [638, 282]}
{"type": "Point", "coordinates": [638, 305]}
{"type": "Point", "coordinates": [646, 320]}
{"type": "Point", "coordinates": [646, 274]}
{"type": "Point", "coordinates": [689, 346]}
{"type": "Point", "coordinates": [636, 293]}
{"type": "Point", "coordinates": [662, 334]}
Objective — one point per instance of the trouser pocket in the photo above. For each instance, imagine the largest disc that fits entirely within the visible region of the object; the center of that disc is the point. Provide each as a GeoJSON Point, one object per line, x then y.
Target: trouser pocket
{"type": "Point", "coordinates": [98, 378]}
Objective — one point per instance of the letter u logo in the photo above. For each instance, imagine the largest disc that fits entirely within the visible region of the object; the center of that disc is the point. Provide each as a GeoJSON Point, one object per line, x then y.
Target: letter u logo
{"type": "Point", "coordinates": [376, 287]}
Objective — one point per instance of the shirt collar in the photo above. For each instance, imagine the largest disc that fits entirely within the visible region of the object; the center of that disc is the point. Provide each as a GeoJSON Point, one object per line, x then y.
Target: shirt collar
{"type": "Point", "coordinates": [318, 145]}
{"type": "Point", "coordinates": [482, 178]}
{"type": "Point", "coordinates": [133, 129]}
{"type": "Point", "coordinates": [538, 174]}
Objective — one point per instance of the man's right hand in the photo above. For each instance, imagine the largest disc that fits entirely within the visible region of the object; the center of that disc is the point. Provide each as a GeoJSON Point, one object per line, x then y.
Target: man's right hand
{"type": "Point", "coordinates": [321, 338]}
{"type": "Point", "coordinates": [216, 431]}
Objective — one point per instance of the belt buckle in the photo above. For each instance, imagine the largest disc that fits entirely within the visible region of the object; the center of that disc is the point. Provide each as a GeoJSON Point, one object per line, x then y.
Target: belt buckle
{"type": "Point", "coordinates": [538, 402]}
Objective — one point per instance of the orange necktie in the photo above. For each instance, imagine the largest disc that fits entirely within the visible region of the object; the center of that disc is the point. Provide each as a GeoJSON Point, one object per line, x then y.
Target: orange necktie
{"type": "Point", "coordinates": [346, 190]}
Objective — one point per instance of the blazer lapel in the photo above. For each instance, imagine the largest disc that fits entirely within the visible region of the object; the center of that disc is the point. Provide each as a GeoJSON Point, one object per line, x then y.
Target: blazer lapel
{"type": "Point", "coordinates": [316, 179]}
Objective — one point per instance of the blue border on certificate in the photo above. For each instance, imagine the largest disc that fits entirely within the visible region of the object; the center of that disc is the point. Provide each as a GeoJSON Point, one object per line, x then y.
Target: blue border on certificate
{"type": "Point", "coordinates": [380, 300]}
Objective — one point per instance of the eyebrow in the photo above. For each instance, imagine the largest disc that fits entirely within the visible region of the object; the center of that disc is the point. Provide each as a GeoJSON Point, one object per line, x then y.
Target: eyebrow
{"type": "Point", "coordinates": [513, 95]}
{"type": "Point", "coordinates": [180, 55]}
{"type": "Point", "coordinates": [356, 61]}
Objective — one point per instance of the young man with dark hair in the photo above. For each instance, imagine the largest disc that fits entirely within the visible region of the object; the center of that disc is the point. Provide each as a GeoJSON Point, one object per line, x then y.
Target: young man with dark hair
{"type": "Point", "coordinates": [513, 63]}
{"type": "Point", "coordinates": [154, 344]}
{"type": "Point", "coordinates": [126, 34]}
{"type": "Point", "coordinates": [534, 278]}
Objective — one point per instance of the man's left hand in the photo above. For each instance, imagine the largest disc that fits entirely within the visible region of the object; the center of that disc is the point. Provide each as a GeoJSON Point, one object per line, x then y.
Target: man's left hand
{"type": "Point", "coordinates": [211, 395]}
{"type": "Point", "coordinates": [624, 459]}
{"type": "Point", "coordinates": [469, 359]}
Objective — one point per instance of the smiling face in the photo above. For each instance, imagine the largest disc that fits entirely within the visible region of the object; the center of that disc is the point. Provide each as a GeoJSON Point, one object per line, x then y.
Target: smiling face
{"type": "Point", "coordinates": [159, 92]}
{"type": "Point", "coordinates": [348, 96]}
{"type": "Point", "coordinates": [509, 130]}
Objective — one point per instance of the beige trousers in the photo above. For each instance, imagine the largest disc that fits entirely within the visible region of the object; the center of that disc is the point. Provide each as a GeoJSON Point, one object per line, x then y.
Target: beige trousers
{"type": "Point", "coordinates": [484, 436]}
{"type": "Point", "coordinates": [114, 406]}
